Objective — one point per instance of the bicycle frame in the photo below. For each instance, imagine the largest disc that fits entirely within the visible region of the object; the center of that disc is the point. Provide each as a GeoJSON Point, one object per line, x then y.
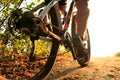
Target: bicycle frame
{"type": "Point", "coordinates": [66, 23]}
{"type": "Point", "coordinates": [46, 10]}
{"type": "Point", "coordinates": [49, 6]}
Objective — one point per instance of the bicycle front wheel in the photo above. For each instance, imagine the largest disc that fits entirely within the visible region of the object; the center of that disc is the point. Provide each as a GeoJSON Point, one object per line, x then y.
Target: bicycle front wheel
{"type": "Point", "coordinates": [54, 20]}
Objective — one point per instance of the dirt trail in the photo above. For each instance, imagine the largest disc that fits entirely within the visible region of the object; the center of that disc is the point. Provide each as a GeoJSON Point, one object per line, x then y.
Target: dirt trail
{"type": "Point", "coordinates": [104, 68]}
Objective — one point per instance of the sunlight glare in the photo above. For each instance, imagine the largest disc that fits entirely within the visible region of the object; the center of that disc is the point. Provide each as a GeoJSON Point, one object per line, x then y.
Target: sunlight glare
{"type": "Point", "coordinates": [104, 26]}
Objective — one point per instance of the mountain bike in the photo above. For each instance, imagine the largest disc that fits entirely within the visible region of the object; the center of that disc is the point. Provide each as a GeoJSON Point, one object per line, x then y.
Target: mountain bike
{"type": "Point", "coordinates": [46, 29]}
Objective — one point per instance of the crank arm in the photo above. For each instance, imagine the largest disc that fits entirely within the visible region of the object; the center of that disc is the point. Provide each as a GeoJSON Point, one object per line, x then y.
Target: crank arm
{"type": "Point", "coordinates": [53, 35]}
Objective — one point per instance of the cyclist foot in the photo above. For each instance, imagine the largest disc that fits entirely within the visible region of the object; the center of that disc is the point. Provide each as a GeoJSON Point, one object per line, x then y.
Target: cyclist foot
{"type": "Point", "coordinates": [80, 48]}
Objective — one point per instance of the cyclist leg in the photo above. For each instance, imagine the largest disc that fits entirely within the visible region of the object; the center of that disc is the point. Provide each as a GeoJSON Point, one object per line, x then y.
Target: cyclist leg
{"type": "Point", "coordinates": [81, 16]}
{"type": "Point", "coordinates": [81, 25]}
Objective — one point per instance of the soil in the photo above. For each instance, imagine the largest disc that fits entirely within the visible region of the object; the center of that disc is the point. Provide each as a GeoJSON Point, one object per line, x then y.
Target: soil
{"type": "Point", "coordinates": [100, 68]}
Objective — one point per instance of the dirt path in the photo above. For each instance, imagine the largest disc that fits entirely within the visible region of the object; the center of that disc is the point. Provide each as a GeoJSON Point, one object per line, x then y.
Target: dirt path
{"type": "Point", "coordinates": [106, 68]}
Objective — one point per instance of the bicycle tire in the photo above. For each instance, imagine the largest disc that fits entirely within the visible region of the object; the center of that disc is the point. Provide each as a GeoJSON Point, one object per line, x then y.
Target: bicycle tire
{"type": "Point", "coordinates": [56, 21]}
{"type": "Point", "coordinates": [77, 41]}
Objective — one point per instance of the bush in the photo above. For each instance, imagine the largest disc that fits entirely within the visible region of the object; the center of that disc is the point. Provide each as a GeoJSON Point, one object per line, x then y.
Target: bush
{"type": "Point", "coordinates": [117, 54]}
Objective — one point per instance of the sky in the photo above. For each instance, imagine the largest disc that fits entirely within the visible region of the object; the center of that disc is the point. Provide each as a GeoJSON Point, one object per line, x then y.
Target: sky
{"type": "Point", "coordinates": [104, 27]}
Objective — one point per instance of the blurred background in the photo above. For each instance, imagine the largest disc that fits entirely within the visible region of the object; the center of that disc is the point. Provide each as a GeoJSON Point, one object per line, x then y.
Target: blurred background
{"type": "Point", "coordinates": [104, 27]}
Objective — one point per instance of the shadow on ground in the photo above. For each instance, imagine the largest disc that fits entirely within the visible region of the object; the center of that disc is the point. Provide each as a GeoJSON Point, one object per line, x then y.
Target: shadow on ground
{"type": "Point", "coordinates": [63, 73]}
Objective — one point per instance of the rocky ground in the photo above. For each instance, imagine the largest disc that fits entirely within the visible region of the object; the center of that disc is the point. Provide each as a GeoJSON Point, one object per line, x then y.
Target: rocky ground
{"type": "Point", "coordinates": [65, 68]}
{"type": "Point", "coordinates": [100, 68]}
